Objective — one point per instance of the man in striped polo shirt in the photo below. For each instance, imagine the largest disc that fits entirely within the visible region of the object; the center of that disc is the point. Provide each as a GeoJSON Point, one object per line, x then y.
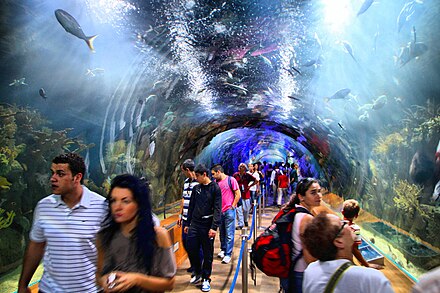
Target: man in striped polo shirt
{"type": "Point", "coordinates": [64, 231]}
{"type": "Point", "coordinates": [187, 168]}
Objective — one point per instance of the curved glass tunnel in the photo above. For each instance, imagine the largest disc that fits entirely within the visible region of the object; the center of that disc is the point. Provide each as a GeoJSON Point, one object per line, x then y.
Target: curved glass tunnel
{"type": "Point", "coordinates": [349, 92]}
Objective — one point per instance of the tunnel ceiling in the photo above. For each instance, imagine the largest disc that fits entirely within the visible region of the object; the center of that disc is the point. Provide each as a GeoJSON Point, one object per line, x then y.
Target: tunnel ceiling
{"type": "Point", "coordinates": [320, 72]}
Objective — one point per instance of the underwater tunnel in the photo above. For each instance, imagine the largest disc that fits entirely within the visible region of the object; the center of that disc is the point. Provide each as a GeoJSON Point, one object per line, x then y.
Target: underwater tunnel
{"type": "Point", "coordinates": [349, 90]}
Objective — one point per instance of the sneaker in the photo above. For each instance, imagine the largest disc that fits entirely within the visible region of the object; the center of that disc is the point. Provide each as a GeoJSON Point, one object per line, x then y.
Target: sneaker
{"type": "Point", "coordinates": [195, 279]}
{"type": "Point", "coordinates": [206, 287]}
{"type": "Point", "coordinates": [221, 254]}
{"type": "Point", "coordinates": [226, 259]}
{"type": "Point", "coordinates": [238, 228]}
{"type": "Point", "coordinates": [246, 224]}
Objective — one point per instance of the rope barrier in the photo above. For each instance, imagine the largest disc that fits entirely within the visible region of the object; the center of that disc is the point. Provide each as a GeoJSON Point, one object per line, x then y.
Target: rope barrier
{"type": "Point", "coordinates": [243, 242]}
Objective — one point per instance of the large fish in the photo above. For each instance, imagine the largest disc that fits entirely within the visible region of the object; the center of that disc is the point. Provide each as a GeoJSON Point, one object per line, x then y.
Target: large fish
{"type": "Point", "coordinates": [412, 50]}
{"type": "Point", "coordinates": [69, 23]}
{"type": "Point", "coordinates": [341, 94]}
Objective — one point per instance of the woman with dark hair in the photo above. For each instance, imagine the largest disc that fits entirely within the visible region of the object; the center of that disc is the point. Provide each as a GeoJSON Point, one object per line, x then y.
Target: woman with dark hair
{"type": "Point", "coordinates": [308, 195]}
{"type": "Point", "coordinates": [133, 255]}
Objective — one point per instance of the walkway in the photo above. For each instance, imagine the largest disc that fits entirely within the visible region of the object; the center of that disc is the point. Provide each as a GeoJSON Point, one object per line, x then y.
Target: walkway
{"type": "Point", "coordinates": [223, 274]}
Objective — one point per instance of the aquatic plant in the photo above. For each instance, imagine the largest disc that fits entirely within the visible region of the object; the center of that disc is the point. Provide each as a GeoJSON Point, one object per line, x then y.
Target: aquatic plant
{"type": "Point", "coordinates": [407, 197]}
{"type": "Point", "coordinates": [427, 129]}
{"type": "Point", "coordinates": [5, 222]}
{"type": "Point", "coordinates": [385, 144]}
{"type": "Point", "coordinates": [422, 121]}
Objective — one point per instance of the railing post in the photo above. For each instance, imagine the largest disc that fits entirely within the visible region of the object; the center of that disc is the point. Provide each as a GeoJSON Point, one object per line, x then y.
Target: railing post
{"type": "Point", "coordinates": [244, 263]}
{"type": "Point", "coordinates": [256, 218]}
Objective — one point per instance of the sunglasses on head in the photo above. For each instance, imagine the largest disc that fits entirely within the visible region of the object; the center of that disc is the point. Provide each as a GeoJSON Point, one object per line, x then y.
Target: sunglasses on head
{"type": "Point", "coordinates": [343, 224]}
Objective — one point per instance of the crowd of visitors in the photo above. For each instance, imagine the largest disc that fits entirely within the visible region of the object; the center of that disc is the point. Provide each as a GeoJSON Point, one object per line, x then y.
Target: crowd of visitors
{"type": "Point", "coordinates": [89, 243]}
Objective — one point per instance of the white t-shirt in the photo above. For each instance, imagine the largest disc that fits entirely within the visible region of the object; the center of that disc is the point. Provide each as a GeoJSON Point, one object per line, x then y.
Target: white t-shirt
{"type": "Point", "coordinates": [256, 176]}
{"type": "Point", "coordinates": [355, 279]}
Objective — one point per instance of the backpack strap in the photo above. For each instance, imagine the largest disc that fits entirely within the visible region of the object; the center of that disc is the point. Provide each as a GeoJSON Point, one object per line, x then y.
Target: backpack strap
{"type": "Point", "coordinates": [336, 277]}
{"type": "Point", "coordinates": [230, 184]}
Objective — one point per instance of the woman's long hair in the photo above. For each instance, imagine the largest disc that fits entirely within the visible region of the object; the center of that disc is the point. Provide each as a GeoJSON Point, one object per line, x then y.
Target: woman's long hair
{"type": "Point", "coordinates": [144, 234]}
{"type": "Point", "coordinates": [301, 188]}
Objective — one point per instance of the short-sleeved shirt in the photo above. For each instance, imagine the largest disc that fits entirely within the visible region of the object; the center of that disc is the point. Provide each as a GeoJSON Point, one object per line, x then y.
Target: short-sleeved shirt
{"type": "Point", "coordinates": [244, 180]}
{"type": "Point", "coordinates": [121, 256]}
{"type": "Point", "coordinates": [228, 195]}
{"type": "Point", "coordinates": [354, 280]}
{"type": "Point", "coordinates": [257, 177]}
{"type": "Point", "coordinates": [186, 195]}
{"type": "Point", "coordinates": [70, 233]}
{"type": "Point", "coordinates": [357, 233]}
{"type": "Point", "coordinates": [283, 181]}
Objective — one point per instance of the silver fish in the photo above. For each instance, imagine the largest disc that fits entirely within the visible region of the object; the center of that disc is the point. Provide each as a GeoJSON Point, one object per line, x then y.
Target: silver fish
{"type": "Point", "coordinates": [69, 23]}
{"type": "Point", "coordinates": [341, 94]}
{"type": "Point", "coordinates": [365, 6]}
{"type": "Point", "coordinates": [18, 82]}
{"type": "Point", "coordinates": [349, 49]}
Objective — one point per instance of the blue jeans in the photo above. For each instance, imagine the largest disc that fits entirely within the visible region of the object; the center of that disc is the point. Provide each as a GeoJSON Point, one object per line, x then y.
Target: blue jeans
{"type": "Point", "coordinates": [227, 231]}
{"type": "Point", "coordinates": [253, 195]}
{"type": "Point", "coordinates": [243, 212]}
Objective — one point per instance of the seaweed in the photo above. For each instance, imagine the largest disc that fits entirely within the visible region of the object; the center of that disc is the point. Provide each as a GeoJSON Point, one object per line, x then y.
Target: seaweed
{"type": "Point", "coordinates": [5, 222]}
{"type": "Point", "coordinates": [407, 197]}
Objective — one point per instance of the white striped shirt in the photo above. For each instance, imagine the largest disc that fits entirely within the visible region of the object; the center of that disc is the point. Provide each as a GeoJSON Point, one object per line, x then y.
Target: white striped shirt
{"type": "Point", "coordinates": [70, 234]}
{"type": "Point", "coordinates": [187, 190]}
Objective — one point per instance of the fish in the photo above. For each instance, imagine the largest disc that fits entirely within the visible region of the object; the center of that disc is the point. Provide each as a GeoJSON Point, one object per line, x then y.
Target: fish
{"type": "Point", "coordinates": [158, 84]}
{"type": "Point", "coordinates": [69, 23]}
{"type": "Point", "coordinates": [265, 60]}
{"type": "Point", "coordinates": [407, 13]}
{"type": "Point", "coordinates": [94, 72]}
{"type": "Point", "coordinates": [293, 98]}
{"type": "Point", "coordinates": [380, 102]}
{"type": "Point", "coordinates": [349, 49]}
{"type": "Point", "coordinates": [412, 50]}
{"type": "Point", "coordinates": [364, 117]}
{"type": "Point", "coordinates": [364, 7]}
{"type": "Point", "coordinates": [245, 90]}
{"type": "Point", "coordinates": [268, 49]}
{"type": "Point", "coordinates": [341, 94]}
{"type": "Point", "coordinates": [18, 82]}
{"type": "Point", "coordinates": [151, 148]}
{"type": "Point", "coordinates": [290, 71]}
{"type": "Point", "coordinates": [340, 125]}
{"type": "Point", "coordinates": [365, 107]}
{"type": "Point", "coordinates": [42, 93]}
{"type": "Point", "coordinates": [376, 36]}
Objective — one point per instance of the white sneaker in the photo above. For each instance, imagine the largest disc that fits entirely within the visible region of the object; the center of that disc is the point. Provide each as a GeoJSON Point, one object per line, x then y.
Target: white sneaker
{"type": "Point", "coordinates": [226, 259]}
{"type": "Point", "coordinates": [195, 279]}
{"type": "Point", "coordinates": [221, 254]}
{"type": "Point", "coordinates": [206, 287]}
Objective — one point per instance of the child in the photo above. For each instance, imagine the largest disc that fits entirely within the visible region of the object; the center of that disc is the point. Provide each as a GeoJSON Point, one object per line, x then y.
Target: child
{"type": "Point", "coordinates": [350, 211]}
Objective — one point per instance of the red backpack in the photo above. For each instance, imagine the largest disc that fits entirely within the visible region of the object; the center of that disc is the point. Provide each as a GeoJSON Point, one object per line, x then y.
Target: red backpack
{"type": "Point", "coordinates": [272, 250]}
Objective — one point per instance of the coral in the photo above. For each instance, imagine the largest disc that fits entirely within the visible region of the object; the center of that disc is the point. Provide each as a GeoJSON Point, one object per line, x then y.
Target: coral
{"type": "Point", "coordinates": [5, 222]}
{"type": "Point", "coordinates": [407, 197]}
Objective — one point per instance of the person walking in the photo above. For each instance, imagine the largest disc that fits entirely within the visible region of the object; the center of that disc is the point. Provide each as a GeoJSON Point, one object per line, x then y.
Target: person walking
{"type": "Point", "coordinates": [64, 231]}
{"type": "Point", "coordinates": [204, 215]}
{"type": "Point", "coordinates": [230, 196]}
